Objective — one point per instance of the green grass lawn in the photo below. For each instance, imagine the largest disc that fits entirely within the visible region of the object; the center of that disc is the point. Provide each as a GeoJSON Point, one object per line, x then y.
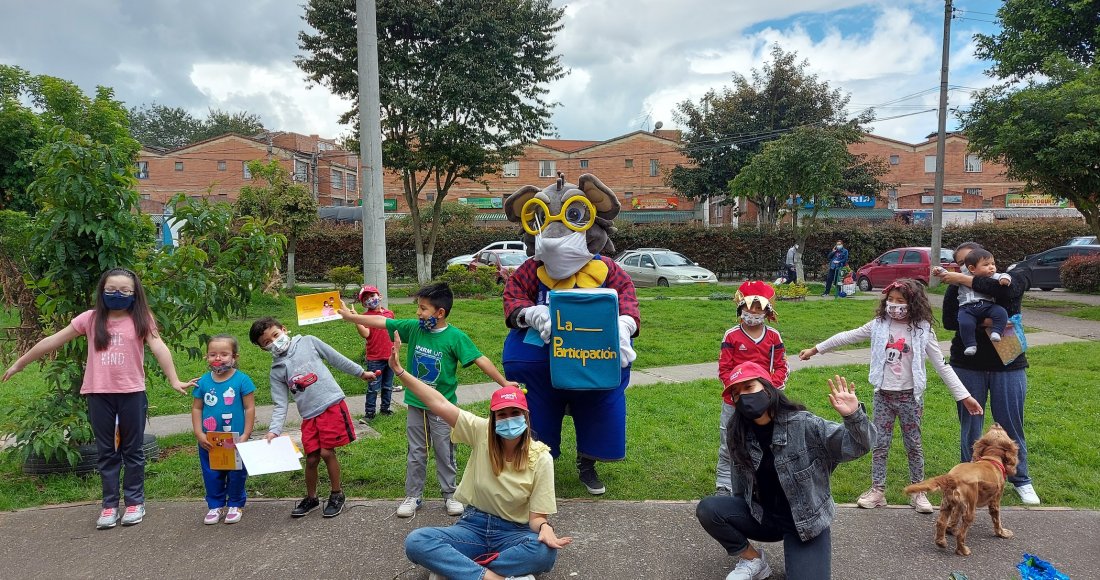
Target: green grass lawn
{"type": "Point", "coordinates": [673, 332]}
{"type": "Point", "coordinates": [672, 445]}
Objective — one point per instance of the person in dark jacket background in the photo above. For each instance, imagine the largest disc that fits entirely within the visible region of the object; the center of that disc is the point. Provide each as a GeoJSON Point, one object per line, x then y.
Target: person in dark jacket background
{"type": "Point", "coordinates": [837, 258]}
{"type": "Point", "coordinates": [984, 374]}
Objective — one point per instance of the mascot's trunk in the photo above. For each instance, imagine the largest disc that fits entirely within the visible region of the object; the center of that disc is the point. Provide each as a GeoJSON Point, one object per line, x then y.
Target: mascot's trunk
{"type": "Point", "coordinates": [424, 269]}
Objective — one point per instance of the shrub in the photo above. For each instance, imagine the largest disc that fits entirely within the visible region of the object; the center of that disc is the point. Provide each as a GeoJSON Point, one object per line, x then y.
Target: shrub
{"type": "Point", "coordinates": [343, 276]}
{"type": "Point", "coordinates": [791, 291]}
{"type": "Point", "coordinates": [1081, 274]}
{"type": "Point", "coordinates": [467, 283]}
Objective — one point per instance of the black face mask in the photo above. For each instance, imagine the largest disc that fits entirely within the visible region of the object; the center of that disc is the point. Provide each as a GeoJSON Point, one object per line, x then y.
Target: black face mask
{"type": "Point", "coordinates": [752, 406]}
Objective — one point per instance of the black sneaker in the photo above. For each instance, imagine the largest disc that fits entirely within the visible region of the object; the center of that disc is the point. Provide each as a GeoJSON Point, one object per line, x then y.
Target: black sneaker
{"type": "Point", "coordinates": [305, 506]}
{"type": "Point", "coordinates": [386, 412]}
{"type": "Point", "coordinates": [589, 477]}
{"type": "Point", "coordinates": [334, 505]}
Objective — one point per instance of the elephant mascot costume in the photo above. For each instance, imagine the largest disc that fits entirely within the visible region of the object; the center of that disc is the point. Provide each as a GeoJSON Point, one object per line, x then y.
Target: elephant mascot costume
{"type": "Point", "coordinates": [566, 229]}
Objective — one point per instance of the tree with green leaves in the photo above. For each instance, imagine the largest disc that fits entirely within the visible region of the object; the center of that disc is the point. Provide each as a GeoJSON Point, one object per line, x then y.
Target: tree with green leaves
{"type": "Point", "coordinates": [86, 221]}
{"type": "Point", "coordinates": [172, 127]}
{"type": "Point", "coordinates": [463, 87]}
{"type": "Point", "coordinates": [806, 172]}
{"type": "Point", "coordinates": [1043, 121]}
{"type": "Point", "coordinates": [727, 127]}
{"type": "Point", "coordinates": [289, 205]}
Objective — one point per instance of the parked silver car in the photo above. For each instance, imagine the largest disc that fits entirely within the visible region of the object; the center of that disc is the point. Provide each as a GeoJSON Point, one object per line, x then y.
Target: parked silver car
{"type": "Point", "coordinates": [663, 267]}
{"type": "Point", "coordinates": [465, 259]}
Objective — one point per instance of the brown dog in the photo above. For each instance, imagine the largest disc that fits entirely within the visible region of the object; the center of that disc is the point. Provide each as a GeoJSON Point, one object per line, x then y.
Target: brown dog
{"type": "Point", "coordinates": [969, 486]}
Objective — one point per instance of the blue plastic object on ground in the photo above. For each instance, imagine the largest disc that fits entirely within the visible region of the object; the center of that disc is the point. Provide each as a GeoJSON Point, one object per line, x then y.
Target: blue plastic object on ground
{"type": "Point", "coordinates": [1034, 568]}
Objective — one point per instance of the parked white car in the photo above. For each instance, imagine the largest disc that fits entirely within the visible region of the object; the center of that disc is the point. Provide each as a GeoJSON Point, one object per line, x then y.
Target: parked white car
{"type": "Point", "coordinates": [465, 259]}
{"type": "Point", "coordinates": [663, 267]}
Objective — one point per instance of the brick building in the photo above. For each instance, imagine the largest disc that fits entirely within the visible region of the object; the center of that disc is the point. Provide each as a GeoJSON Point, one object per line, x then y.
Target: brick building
{"type": "Point", "coordinates": [632, 165]}
{"type": "Point", "coordinates": [970, 183]}
{"type": "Point", "coordinates": [217, 168]}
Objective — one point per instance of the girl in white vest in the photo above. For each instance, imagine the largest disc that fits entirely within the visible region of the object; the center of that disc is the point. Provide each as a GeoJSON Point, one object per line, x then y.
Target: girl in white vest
{"type": "Point", "coordinates": [902, 339]}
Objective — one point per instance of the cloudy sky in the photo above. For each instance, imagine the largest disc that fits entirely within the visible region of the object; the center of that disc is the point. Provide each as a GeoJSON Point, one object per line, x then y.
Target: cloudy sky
{"type": "Point", "coordinates": [630, 61]}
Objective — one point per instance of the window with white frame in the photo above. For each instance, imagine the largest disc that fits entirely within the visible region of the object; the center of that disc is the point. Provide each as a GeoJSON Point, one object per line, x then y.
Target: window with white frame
{"type": "Point", "coordinates": [142, 170]}
{"type": "Point", "coordinates": [973, 191]}
{"type": "Point", "coordinates": [584, 164]}
{"type": "Point", "coordinates": [510, 169]}
{"type": "Point", "coordinates": [301, 170]}
{"type": "Point", "coordinates": [221, 165]}
{"type": "Point", "coordinates": [247, 174]}
{"type": "Point", "coordinates": [352, 182]}
{"type": "Point", "coordinates": [973, 164]}
{"type": "Point", "coordinates": [929, 163]}
{"type": "Point", "coordinates": [892, 198]}
{"type": "Point", "coordinates": [653, 168]}
{"type": "Point", "coordinates": [337, 179]}
{"type": "Point", "coordinates": [718, 210]}
{"type": "Point", "coordinates": [547, 168]}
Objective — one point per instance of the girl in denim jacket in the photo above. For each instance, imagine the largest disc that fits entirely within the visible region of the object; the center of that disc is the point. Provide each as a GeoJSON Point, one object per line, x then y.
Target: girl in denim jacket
{"type": "Point", "coordinates": [783, 459]}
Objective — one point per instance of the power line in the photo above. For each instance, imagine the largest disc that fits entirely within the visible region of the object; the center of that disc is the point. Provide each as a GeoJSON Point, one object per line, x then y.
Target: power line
{"type": "Point", "coordinates": [975, 19]}
{"type": "Point", "coordinates": [968, 11]}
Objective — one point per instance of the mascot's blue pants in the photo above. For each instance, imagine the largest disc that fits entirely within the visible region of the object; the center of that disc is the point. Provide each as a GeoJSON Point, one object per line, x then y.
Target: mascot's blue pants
{"type": "Point", "coordinates": [599, 416]}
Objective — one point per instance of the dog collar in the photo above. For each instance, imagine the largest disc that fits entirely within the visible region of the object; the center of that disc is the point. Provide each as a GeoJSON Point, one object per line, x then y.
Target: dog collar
{"type": "Point", "coordinates": [999, 465]}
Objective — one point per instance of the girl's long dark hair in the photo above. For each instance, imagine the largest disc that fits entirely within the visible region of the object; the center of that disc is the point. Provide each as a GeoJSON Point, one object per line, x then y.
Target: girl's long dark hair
{"type": "Point", "coordinates": [738, 426]}
{"type": "Point", "coordinates": [138, 311]}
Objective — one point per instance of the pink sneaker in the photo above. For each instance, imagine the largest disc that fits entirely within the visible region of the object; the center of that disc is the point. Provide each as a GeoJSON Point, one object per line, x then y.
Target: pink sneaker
{"type": "Point", "coordinates": [872, 498]}
{"type": "Point", "coordinates": [213, 516]}
{"type": "Point", "coordinates": [233, 515]}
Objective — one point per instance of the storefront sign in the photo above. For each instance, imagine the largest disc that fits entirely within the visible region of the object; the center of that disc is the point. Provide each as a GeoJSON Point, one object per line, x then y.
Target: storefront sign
{"type": "Point", "coordinates": [1033, 200]}
{"type": "Point", "coordinates": [946, 199]}
{"type": "Point", "coordinates": [389, 204]}
{"type": "Point", "coordinates": [483, 202]}
{"type": "Point", "coordinates": [654, 203]}
{"type": "Point", "coordinates": [862, 200]}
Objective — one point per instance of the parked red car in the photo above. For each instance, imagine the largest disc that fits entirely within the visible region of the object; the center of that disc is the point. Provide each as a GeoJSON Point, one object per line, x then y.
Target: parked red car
{"type": "Point", "coordinates": [505, 262]}
{"type": "Point", "coordinates": [901, 263]}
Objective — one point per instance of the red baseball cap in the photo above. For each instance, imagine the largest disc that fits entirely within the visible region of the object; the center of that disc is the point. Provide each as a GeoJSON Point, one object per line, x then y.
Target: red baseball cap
{"type": "Point", "coordinates": [508, 397]}
{"type": "Point", "coordinates": [368, 289]}
{"type": "Point", "coordinates": [744, 372]}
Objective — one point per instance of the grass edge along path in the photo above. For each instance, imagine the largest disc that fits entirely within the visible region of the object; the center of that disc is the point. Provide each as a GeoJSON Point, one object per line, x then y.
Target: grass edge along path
{"type": "Point", "coordinates": [673, 441]}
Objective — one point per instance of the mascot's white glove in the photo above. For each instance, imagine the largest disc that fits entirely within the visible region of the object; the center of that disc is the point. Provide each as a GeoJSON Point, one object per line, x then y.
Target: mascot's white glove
{"type": "Point", "coordinates": [538, 317]}
{"type": "Point", "coordinates": [627, 326]}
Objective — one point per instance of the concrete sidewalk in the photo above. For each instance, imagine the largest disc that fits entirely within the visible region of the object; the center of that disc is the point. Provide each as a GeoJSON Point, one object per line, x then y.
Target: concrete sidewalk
{"type": "Point", "coordinates": [611, 540]}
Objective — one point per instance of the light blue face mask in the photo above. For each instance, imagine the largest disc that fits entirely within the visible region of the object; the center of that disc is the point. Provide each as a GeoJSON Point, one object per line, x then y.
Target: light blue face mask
{"type": "Point", "coordinates": [511, 427]}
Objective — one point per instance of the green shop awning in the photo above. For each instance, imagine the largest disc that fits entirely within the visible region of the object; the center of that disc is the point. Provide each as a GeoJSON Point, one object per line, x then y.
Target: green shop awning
{"type": "Point", "coordinates": [867, 213]}
{"type": "Point", "coordinates": [658, 216]}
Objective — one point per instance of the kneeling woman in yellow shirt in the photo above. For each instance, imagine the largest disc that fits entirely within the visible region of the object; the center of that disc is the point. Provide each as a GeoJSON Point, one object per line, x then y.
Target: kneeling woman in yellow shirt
{"type": "Point", "coordinates": [508, 489]}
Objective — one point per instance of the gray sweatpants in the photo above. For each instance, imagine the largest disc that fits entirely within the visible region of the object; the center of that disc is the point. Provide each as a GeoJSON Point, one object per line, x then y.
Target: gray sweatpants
{"type": "Point", "coordinates": [419, 425]}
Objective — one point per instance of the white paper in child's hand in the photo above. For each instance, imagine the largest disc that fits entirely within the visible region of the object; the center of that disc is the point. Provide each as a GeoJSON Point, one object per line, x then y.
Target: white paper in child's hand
{"type": "Point", "coordinates": [261, 457]}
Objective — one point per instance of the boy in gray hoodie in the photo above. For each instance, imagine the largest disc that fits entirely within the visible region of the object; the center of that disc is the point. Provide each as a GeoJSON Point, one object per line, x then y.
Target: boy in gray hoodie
{"type": "Point", "coordinates": [299, 368]}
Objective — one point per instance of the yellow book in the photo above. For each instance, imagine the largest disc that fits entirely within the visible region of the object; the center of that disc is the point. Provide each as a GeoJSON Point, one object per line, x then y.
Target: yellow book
{"type": "Point", "coordinates": [223, 458]}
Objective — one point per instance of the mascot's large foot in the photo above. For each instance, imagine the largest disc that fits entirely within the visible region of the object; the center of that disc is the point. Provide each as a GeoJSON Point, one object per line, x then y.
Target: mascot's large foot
{"type": "Point", "coordinates": [589, 477]}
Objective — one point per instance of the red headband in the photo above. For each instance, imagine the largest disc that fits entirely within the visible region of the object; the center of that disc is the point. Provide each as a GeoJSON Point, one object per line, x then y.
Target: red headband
{"type": "Point", "coordinates": [893, 285]}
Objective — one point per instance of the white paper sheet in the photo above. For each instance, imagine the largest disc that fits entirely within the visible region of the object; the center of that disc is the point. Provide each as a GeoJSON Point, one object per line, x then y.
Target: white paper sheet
{"type": "Point", "coordinates": [261, 457]}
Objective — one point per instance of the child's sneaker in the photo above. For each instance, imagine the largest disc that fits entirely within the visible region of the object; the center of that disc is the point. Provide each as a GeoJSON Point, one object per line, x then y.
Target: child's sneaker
{"type": "Point", "coordinates": [408, 507]}
{"type": "Point", "coordinates": [995, 336]}
{"type": "Point", "coordinates": [133, 515]}
{"type": "Point", "coordinates": [398, 388]}
{"type": "Point", "coordinates": [108, 518]}
{"type": "Point", "coordinates": [453, 506]}
{"type": "Point", "coordinates": [872, 498]}
{"type": "Point", "coordinates": [970, 351]}
{"type": "Point", "coordinates": [755, 569]}
{"type": "Point", "coordinates": [386, 412]}
{"type": "Point", "coordinates": [305, 506]}
{"type": "Point", "coordinates": [233, 515]}
{"type": "Point", "coordinates": [213, 516]}
{"type": "Point", "coordinates": [920, 502]}
{"type": "Point", "coordinates": [334, 505]}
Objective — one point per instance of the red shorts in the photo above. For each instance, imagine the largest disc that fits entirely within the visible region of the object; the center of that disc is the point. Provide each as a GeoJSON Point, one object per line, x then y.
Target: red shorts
{"type": "Point", "coordinates": [331, 429]}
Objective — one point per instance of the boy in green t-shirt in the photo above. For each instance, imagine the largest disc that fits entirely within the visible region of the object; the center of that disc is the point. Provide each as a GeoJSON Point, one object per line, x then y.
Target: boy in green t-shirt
{"type": "Point", "coordinates": [435, 351]}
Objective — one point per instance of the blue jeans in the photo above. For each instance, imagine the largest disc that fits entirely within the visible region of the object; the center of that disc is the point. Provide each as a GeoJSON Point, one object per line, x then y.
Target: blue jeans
{"type": "Point", "coordinates": [728, 520]}
{"type": "Point", "coordinates": [450, 551]}
{"type": "Point", "coordinates": [1006, 391]}
{"type": "Point", "coordinates": [383, 381]}
{"type": "Point", "coordinates": [223, 488]}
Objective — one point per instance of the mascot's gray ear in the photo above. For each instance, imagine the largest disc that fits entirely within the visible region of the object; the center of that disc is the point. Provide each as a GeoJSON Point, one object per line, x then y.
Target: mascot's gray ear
{"type": "Point", "coordinates": [601, 196]}
{"type": "Point", "coordinates": [514, 203]}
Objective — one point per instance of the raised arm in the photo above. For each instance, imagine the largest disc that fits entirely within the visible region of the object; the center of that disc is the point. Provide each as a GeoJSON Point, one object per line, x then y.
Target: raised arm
{"type": "Point", "coordinates": [41, 349]}
{"type": "Point", "coordinates": [362, 319]}
{"type": "Point", "coordinates": [436, 402]}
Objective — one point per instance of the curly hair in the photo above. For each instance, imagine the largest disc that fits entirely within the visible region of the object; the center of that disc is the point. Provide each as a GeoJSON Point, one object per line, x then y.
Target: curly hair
{"type": "Point", "coordinates": [920, 310]}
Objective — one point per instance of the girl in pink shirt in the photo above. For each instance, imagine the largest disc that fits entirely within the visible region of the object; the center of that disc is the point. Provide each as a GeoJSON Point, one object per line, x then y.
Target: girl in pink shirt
{"type": "Point", "coordinates": [118, 328]}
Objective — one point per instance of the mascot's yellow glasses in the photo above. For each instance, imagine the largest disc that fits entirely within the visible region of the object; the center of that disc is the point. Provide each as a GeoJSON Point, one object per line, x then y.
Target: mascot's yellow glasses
{"type": "Point", "coordinates": [578, 214]}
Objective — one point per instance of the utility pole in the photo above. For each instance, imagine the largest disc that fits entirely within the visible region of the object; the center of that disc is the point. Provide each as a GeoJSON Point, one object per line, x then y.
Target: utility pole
{"type": "Point", "coordinates": [370, 148]}
{"type": "Point", "coordinates": [941, 145]}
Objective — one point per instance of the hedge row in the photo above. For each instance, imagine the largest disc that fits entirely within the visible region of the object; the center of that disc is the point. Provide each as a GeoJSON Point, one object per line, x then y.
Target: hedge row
{"type": "Point", "coordinates": [729, 252]}
{"type": "Point", "coordinates": [1081, 274]}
